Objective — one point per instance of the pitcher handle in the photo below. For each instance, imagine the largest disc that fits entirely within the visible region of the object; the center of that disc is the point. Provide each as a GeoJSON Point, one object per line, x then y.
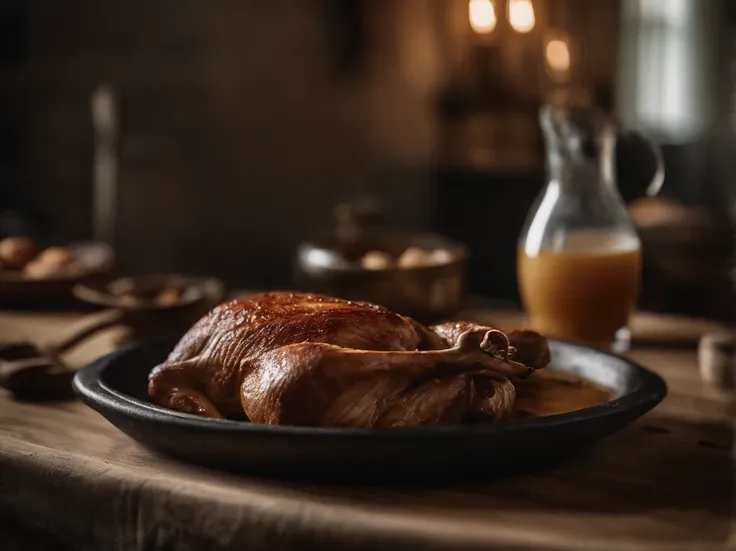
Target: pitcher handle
{"type": "Point", "coordinates": [656, 183]}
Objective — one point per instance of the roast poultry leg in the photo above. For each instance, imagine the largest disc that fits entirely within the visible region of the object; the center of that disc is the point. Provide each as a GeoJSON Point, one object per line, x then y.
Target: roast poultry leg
{"type": "Point", "coordinates": [471, 397]}
{"type": "Point", "coordinates": [320, 384]}
{"type": "Point", "coordinates": [181, 385]}
{"type": "Point", "coordinates": [525, 348]}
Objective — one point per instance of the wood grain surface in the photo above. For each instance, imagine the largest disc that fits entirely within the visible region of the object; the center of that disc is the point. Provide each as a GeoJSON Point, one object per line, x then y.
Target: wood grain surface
{"type": "Point", "coordinates": [665, 482]}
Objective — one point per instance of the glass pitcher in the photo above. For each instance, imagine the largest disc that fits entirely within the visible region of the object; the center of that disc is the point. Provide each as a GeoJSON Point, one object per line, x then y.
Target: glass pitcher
{"type": "Point", "coordinates": [579, 256]}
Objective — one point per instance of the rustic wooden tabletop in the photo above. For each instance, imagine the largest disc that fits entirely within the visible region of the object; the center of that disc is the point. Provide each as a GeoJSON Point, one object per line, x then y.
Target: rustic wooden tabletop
{"type": "Point", "coordinates": [664, 482]}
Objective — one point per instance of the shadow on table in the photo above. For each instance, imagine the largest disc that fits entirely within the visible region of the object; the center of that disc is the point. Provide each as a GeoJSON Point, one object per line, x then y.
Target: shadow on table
{"type": "Point", "coordinates": [657, 463]}
{"type": "Point", "coordinates": [15, 535]}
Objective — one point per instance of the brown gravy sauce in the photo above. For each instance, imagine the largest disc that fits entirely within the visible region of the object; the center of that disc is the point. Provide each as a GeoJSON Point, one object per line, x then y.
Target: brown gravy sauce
{"type": "Point", "coordinates": [549, 392]}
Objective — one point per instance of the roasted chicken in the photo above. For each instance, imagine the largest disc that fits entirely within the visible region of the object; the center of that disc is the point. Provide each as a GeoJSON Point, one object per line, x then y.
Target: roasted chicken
{"type": "Point", "coordinates": [311, 360]}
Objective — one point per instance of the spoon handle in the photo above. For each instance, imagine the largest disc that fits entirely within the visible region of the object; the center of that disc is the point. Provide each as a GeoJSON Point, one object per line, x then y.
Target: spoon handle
{"type": "Point", "coordinates": [91, 325]}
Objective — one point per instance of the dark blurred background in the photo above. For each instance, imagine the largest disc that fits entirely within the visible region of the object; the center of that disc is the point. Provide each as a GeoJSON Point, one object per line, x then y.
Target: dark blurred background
{"type": "Point", "coordinates": [240, 124]}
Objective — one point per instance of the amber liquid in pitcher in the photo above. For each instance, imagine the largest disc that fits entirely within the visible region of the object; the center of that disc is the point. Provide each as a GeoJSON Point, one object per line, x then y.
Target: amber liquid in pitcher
{"type": "Point", "coordinates": [584, 290]}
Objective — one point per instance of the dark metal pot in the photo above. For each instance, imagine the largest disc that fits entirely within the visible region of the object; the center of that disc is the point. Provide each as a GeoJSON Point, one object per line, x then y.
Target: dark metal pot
{"type": "Point", "coordinates": [428, 293]}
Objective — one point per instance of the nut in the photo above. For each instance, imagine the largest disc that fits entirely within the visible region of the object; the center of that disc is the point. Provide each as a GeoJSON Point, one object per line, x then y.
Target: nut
{"type": "Point", "coordinates": [169, 296]}
{"type": "Point", "coordinates": [376, 260]}
{"type": "Point", "coordinates": [16, 252]}
{"type": "Point", "coordinates": [413, 257]}
{"type": "Point", "coordinates": [53, 261]}
{"type": "Point", "coordinates": [55, 256]}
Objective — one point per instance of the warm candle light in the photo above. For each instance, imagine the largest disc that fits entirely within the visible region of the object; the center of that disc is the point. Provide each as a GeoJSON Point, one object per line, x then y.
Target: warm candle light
{"type": "Point", "coordinates": [482, 15]}
{"type": "Point", "coordinates": [521, 15]}
{"type": "Point", "coordinates": [557, 54]}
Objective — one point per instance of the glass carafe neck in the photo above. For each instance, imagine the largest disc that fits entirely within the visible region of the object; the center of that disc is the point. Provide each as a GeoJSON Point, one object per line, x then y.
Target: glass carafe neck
{"type": "Point", "coordinates": [580, 208]}
{"type": "Point", "coordinates": [580, 149]}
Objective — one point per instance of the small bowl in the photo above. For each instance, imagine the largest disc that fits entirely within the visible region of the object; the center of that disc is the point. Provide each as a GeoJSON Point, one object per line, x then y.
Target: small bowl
{"type": "Point", "coordinates": [428, 293]}
{"type": "Point", "coordinates": [199, 296]}
{"type": "Point", "coordinates": [20, 291]}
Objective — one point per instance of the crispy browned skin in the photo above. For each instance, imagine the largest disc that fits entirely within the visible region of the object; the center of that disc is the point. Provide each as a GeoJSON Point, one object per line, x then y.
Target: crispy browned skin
{"type": "Point", "coordinates": [305, 359]}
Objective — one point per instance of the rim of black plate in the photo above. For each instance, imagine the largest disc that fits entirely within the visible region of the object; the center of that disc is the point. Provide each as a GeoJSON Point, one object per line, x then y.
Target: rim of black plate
{"type": "Point", "coordinates": [649, 392]}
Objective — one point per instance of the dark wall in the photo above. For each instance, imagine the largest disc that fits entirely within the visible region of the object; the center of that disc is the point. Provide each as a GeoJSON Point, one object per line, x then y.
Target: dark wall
{"type": "Point", "coordinates": [238, 127]}
{"type": "Point", "coordinates": [13, 53]}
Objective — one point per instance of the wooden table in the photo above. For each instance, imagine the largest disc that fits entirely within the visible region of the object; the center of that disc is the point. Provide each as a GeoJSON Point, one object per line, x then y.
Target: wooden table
{"type": "Point", "coordinates": [663, 482]}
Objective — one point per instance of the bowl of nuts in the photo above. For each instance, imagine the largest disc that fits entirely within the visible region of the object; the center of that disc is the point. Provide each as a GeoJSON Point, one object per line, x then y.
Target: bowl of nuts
{"type": "Point", "coordinates": [148, 305]}
{"type": "Point", "coordinates": [421, 275]}
{"type": "Point", "coordinates": [31, 274]}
